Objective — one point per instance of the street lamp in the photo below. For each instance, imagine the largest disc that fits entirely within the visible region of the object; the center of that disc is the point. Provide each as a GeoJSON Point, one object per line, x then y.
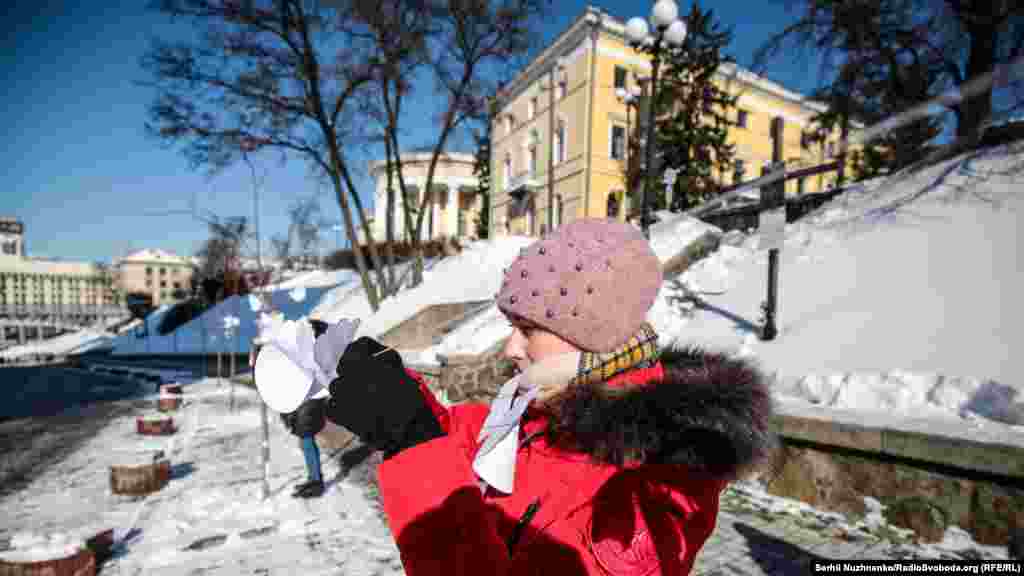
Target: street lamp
{"type": "Point", "coordinates": [669, 32]}
{"type": "Point", "coordinates": [631, 98]}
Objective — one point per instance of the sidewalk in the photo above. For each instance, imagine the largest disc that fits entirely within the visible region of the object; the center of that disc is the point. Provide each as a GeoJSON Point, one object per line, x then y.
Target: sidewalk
{"type": "Point", "coordinates": [752, 542]}
{"type": "Point", "coordinates": [211, 518]}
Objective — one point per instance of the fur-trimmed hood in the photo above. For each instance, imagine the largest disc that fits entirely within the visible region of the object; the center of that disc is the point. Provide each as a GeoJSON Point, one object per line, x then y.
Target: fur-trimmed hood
{"type": "Point", "coordinates": [710, 412]}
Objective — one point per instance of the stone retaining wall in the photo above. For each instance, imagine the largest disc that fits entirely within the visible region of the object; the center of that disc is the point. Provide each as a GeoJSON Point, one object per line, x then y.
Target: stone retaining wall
{"type": "Point", "coordinates": [474, 378]}
{"type": "Point", "coordinates": [927, 481]}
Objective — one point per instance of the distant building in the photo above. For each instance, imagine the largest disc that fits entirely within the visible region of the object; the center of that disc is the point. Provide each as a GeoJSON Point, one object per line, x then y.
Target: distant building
{"type": "Point", "coordinates": [156, 272]}
{"type": "Point", "coordinates": [455, 205]}
{"type": "Point", "coordinates": [565, 105]}
{"type": "Point", "coordinates": [12, 237]}
{"type": "Point", "coordinates": [44, 285]}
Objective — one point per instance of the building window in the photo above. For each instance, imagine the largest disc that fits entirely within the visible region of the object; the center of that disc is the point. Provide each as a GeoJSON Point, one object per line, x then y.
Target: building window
{"type": "Point", "coordinates": [163, 295]}
{"type": "Point", "coordinates": [739, 171]}
{"type": "Point", "coordinates": [618, 142]}
{"type": "Point", "coordinates": [177, 285]}
{"type": "Point", "coordinates": [510, 122]}
{"type": "Point", "coordinates": [163, 271]}
{"type": "Point", "coordinates": [620, 77]}
{"type": "Point", "coordinates": [508, 169]}
{"type": "Point", "coordinates": [560, 141]}
{"type": "Point", "coordinates": [149, 283]}
{"type": "Point", "coordinates": [741, 118]}
{"type": "Point", "coordinates": [562, 88]}
{"type": "Point", "coordinates": [149, 270]}
{"type": "Point", "coordinates": [533, 160]}
{"type": "Point", "coordinates": [800, 186]}
{"type": "Point", "coordinates": [613, 205]}
{"type": "Point", "coordinates": [531, 109]}
{"type": "Point", "coordinates": [805, 140]}
{"type": "Point", "coordinates": [559, 208]}
{"type": "Point", "coordinates": [163, 284]}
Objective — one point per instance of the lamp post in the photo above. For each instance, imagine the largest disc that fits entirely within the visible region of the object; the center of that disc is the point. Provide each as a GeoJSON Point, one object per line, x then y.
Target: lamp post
{"type": "Point", "coordinates": [631, 98]}
{"type": "Point", "coordinates": [669, 32]}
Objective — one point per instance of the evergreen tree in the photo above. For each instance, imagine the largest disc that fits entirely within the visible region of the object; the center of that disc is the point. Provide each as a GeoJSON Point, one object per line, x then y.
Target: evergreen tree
{"type": "Point", "coordinates": [694, 112]}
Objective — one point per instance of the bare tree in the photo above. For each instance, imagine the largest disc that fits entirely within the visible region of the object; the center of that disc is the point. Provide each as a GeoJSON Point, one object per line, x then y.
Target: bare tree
{"type": "Point", "coordinates": [266, 76]}
{"type": "Point", "coordinates": [465, 46]}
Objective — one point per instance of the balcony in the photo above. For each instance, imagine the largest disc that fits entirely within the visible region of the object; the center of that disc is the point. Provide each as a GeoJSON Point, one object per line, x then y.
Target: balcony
{"type": "Point", "coordinates": [522, 184]}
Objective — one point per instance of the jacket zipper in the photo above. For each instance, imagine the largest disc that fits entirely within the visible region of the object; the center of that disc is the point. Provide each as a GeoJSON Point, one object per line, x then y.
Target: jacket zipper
{"type": "Point", "coordinates": [524, 520]}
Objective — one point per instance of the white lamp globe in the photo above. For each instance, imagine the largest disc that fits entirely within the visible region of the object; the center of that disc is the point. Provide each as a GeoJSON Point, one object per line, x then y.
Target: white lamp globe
{"type": "Point", "coordinates": [676, 33]}
{"type": "Point", "coordinates": [664, 13]}
{"type": "Point", "coordinates": [620, 93]}
{"type": "Point", "coordinates": [636, 30]}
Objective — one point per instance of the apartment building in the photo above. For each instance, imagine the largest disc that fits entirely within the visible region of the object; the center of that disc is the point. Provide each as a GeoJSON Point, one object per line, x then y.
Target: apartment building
{"type": "Point", "coordinates": [156, 272]}
{"type": "Point", "coordinates": [45, 284]}
{"type": "Point", "coordinates": [559, 138]}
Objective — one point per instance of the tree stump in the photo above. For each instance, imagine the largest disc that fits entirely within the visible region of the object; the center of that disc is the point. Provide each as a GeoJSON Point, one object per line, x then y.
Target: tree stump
{"type": "Point", "coordinates": [140, 473]}
{"type": "Point", "coordinates": [72, 562]}
{"type": "Point", "coordinates": [170, 397]}
{"type": "Point", "coordinates": [155, 425]}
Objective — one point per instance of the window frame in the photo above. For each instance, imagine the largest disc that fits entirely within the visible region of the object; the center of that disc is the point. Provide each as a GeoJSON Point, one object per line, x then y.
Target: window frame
{"type": "Point", "coordinates": [611, 141]}
{"type": "Point", "coordinates": [621, 72]}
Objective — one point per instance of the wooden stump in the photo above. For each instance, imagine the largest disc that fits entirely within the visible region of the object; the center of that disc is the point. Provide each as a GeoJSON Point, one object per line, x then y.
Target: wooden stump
{"type": "Point", "coordinates": [155, 425]}
{"type": "Point", "coordinates": [140, 473]}
{"type": "Point", "coordinates": [81, 563]}
{"type": "Point", "coordinates": [170, 397]}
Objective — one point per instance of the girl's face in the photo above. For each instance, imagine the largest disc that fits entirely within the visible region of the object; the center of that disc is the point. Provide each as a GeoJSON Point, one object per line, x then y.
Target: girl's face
{"type": "Point", "coordinates": [529, 344]}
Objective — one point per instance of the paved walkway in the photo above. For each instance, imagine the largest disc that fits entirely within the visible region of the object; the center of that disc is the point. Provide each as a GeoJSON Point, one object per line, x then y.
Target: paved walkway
{"type": "Point", "coordinates": [748, 541]}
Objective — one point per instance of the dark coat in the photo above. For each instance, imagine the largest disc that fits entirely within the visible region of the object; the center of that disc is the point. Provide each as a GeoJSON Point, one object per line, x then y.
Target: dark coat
{"type": "Point", "coordinates": [308, 419]}
{"type": "Point", "coordinates": [621, 477]}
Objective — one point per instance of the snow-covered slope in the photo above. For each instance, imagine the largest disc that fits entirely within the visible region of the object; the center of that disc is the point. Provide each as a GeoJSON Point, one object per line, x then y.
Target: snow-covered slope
{"type": "Point", "coordinates": [901, 295]}
{"type": "Point", "coordinates": [205, 334]}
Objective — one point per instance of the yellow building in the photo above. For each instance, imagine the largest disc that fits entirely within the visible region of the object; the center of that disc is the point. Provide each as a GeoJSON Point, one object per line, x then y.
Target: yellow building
{"type": "Point", "coordinates": [562, 110]}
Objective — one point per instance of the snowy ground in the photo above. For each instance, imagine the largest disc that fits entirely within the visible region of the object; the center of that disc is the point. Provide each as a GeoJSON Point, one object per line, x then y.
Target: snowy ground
{"type": "Point", "coordinates": [900, 296]}
{"type": "Point", "coordinates": [210, 518]}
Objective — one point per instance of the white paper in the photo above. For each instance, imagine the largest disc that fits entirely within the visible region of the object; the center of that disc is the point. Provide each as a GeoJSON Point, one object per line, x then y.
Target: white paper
{"type": "Point", "coordinates": [497, 467]}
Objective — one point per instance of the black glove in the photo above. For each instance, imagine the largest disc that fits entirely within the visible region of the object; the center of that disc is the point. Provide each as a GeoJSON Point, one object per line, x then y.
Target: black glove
{"type": "Point", "coordinates": [376, 399]}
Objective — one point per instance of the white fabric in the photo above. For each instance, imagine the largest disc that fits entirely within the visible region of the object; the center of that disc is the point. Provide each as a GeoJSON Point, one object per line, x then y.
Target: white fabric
{"type": "Point", "coordinates": [495, 461]}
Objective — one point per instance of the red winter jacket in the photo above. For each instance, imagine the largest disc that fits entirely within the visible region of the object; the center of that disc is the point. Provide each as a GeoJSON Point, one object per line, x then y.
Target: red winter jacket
{"type": "Point", "coordinates": [631, 489]}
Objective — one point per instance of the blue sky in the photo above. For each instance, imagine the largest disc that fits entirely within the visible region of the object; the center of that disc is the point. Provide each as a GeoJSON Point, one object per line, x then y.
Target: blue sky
{"type": "Point", "coordinates": [83, 177]}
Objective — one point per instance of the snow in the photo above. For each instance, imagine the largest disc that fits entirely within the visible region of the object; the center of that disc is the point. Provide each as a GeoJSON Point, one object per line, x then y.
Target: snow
{"type": "Point", "coordinates": [211, 517]}
{"type": "Point", "coordinates": [205, 334]}
{"type": "Point", "coordinates": [33, 547]}
{"type": "Point", "coordinates": [72, 342]}
{"type": "Point", "coordinates": [316, 279]}
{"type": "Point", "coordinates": [873, 525]}
{"type": "Point", "coordinates": [900, 296]}
{"type": "Point", "coordinates": [473, 274]}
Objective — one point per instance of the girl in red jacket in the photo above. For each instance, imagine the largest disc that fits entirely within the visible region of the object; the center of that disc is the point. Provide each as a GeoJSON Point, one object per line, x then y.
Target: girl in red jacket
{"type": "Point", "coordinates": [603, 455]}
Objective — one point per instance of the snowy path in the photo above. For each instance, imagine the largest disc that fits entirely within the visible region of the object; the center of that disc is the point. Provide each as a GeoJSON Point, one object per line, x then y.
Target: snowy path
{"type": "Point", "coordinates": [210, 519]}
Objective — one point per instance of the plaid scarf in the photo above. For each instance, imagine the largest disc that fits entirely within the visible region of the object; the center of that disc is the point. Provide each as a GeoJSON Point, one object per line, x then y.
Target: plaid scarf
{"type": "Point", "coordinates": [641, 351]}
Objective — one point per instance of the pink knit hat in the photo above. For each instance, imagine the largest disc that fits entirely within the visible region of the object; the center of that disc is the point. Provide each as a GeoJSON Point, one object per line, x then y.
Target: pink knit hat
{"type": "Point", "coordinates": [591, 282]}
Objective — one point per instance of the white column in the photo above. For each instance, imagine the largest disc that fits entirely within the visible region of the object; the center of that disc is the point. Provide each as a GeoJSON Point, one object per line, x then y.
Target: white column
{"type": "Point", "coordinates": [453, 210]}
{"type": "Point", "coordinates": [436, 208]}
